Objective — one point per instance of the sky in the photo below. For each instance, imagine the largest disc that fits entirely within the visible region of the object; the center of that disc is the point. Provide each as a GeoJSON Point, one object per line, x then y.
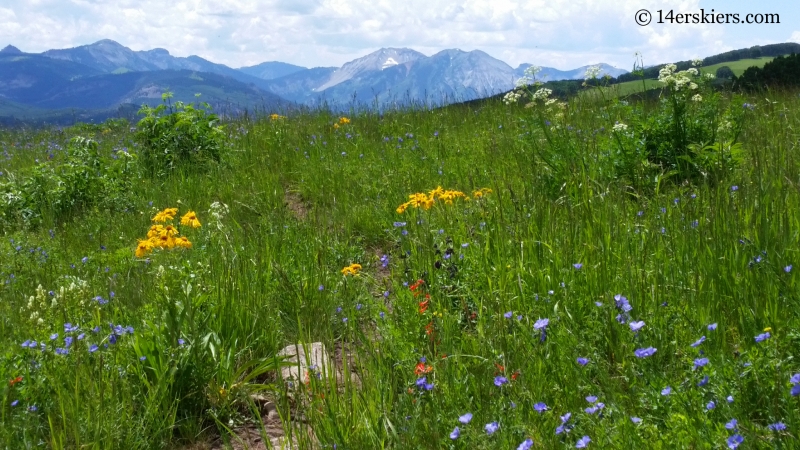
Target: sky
{"type": "Point", "coordinates": [564, 34]}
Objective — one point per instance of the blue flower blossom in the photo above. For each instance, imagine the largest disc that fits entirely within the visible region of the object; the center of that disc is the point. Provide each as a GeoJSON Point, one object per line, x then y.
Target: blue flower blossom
{"type": "Point", "coordinates": [583, 442]}
{"type": "Point", "coordinates": [644, 352]}
{"type": "Point", "coordinates": [700, 362]}
{"type": "Point", "coordinates": [455, 433]}
{"type": "Point", "coordinates": [734, 441]}
{"type": "Point", "coordinates": [466, 418]}
{"type": "Point", "coordinates": [763, 337]}
{"type": "Point", "coordinates": [666, 391]}
{"type": "Point", "coordinates": [491, 428]}
{"type": "Point", "coordinates": [583, 361]}
{"type": "Point", "coordinates": [699, 341]}
{"type": "Point", "coordinates": [636, 326]}
{"type": "Point", "coordinates": [527, 444]}
{"type": "Point", "coordinates": [777, 426]}
{"type": "Point", "coordinates": [540, 407]}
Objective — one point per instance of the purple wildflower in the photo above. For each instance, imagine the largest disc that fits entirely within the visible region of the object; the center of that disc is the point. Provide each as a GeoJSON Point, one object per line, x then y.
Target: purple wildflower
{"type": "Point", "coordinates": [763, 337]}
{"type": "Point", "coordinates": [734, 441]}
{"type": "Point", "coordinates": [699, 341]}
{"type": "Point", "coordinates": [455, 433]}
{"type": "Point", "coordinates": [700, 362]}
{"type": "Point", "coordinates": [636, 326]}
{"type": "Point", "coordinates": [644, 352]}
{"type": "Point", "coordinates": [777, 426]}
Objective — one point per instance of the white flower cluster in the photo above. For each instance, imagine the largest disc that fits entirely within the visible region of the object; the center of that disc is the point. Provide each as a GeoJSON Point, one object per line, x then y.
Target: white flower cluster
{"type": "Point", "coordinates": [541, 94]}
{"type": "Point", "coordinates": [592, 72]}
{"type": "Point", "coordinates": [512, 97]}
{"type": "Point", "coordinates": [39, 304]}
{"type": "Point", "coordinates": [697, 98]}
{"type": "Point", "coordinates": [677, 80]}
{"type": "Point", "coordinates": [620, 127]}
{"type": "Point", "coordinates": [217, 211]}
{"type": "Point", "coordinates": [697, 62]}
{"type": "Point", "coordinates": [529, 76]}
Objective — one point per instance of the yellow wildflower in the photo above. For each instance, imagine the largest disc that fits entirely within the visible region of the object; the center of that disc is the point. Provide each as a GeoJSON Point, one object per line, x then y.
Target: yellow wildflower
{"type": "Point", "coordinates": [144, 247]}
{"type": "Point", "coordinates": [274, 116]}
{"type": "Point", "coordinates": [352, 269]}
{"type": "Point", "coordinates": [481, 192]}
{"type": "Point", "coordinates": [165, 215]}
{"type": "Point", "coordinates": [336, 125]}
{"type": "Point", "coordinates": [169, 230]}
{"type": "Point", "coordinates": [436, 192]}
{"type": "Point", "coordinates": [183, 242]}
{"type": "Point", "coordinates": [155, 231]}
{"type": "Point", "coordinates": [418, 200]}
{"type": "Point", "coordinates": [190, 218]}
{"type": "Point", "coordinates": [165, 241]}
{"type": "Point", "coordinates": [344, 120]}
{"type": "Point", "coordinates": [402, 208]}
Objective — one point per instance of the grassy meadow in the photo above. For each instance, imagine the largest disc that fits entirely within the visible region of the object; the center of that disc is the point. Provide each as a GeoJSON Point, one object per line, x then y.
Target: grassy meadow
{"type": "Point", "coordinates": [738, 68]}
{"type": "Point", "coordinates": [591, 274]}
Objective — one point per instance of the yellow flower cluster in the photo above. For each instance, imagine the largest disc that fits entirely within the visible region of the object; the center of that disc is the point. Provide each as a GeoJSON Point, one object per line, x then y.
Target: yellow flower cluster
{"type": "Point", "coordinates": [274, 116]}
{"type": "Point", "coordinates": [352, 269]}
{"type": "Point", "coordinates": [481, 192]}
{"type": "Point", "coordinates": [342, 121]}
{"type": "Point", "coordinates": [425, 201]}
{"type": "Point", "coordinates": [166, 236]}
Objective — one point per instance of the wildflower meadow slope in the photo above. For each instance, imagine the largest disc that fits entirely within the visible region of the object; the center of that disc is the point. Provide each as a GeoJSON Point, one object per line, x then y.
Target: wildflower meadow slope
{"type": "Point", "coordinates": [527, 272]}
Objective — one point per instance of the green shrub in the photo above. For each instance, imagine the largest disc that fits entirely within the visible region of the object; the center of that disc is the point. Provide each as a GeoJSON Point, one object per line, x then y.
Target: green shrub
{"type": "Point", "coordinates": [179, 134]}
{"type": "Point", "coordinates": [85, 179]}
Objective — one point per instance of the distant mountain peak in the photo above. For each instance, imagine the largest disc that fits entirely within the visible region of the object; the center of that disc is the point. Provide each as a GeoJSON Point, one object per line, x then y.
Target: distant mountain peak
{"type": "Point", "coordinates": [108, 42]}
{"type": "Point", "coordinates": [10, 49]}
{"type": "Point", "coordinates": [158, 51]}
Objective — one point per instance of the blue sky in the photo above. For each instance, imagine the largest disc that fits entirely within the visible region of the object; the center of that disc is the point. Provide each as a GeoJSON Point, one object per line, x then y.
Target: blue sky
{"type": "Point", "coordinates": [555, 33]}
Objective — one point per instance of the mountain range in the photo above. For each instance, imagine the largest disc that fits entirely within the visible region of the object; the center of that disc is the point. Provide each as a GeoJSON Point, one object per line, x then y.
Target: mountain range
{"type": "Point", "coordinates": [106, 75]}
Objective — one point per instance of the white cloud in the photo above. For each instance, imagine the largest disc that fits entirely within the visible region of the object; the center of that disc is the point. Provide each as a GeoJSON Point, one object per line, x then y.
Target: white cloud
{"type": "Point", "coordinates": [557, 33]}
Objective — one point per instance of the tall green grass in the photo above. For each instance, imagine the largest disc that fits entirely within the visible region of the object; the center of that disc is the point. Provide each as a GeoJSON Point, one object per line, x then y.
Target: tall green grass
{"type": "Point", "coordinates": [306, 198]}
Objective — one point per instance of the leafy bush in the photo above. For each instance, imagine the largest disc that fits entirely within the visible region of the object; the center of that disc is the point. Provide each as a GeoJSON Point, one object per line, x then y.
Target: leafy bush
{"type": "Point", "coordinates": [85, 179]}
{"type": "Point", "coordinates": [725, 72]}
{"type": "Point", "coordinates": [179, 134]}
